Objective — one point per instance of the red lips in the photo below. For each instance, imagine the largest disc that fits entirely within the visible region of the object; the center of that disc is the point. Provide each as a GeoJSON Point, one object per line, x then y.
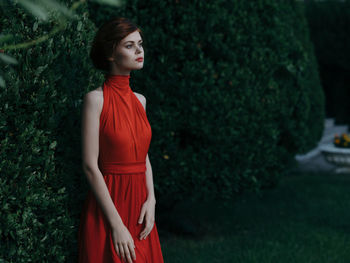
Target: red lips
{"type": "Point", "coordinates": [139, 59]}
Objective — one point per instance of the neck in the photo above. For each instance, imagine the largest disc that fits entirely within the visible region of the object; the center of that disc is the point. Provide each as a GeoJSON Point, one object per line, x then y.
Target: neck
{"type": "Point", "coordinates": [118, 83]}
{"type": "Point", "coordinates": [114, 70]}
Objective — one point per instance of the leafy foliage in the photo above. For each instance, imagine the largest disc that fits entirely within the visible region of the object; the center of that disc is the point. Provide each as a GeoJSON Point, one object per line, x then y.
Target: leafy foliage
{"type": "Point", "coordinates": [41, 183]}
{"type": "Point", "coordinates": [232, 96]}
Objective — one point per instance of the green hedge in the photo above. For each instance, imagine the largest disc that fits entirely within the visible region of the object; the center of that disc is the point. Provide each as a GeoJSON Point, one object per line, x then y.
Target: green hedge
{"type": "Point", "coordinates": [41, 182]}
{"type": "Point", "coordinates": [329, 23]}
{"type": "Point", "coordinates": [232, 95]}
{"type": "Point", "coordinates": [233, 91]}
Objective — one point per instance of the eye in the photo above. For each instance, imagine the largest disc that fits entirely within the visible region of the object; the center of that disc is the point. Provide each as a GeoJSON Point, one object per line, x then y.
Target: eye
{"type": "Point", "coordinates": [128, 46]}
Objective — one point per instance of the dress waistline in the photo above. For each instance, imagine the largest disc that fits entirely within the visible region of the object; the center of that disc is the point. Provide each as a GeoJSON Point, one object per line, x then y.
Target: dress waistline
{"type": "Point", "coordinates": [123, 168]}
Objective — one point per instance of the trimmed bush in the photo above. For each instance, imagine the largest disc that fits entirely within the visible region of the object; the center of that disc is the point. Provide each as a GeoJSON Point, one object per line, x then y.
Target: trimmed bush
{"type": "Point", "coordinates": [232, 88]}
{"type": "Point", "coordinates": [232, 95]}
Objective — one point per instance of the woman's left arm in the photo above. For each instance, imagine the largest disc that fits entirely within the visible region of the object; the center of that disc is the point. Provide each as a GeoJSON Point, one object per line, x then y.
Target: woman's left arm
{"type": "Point", "coordinates": [148, 207]}
{"type": "Point", "coordinates": [149, 181]}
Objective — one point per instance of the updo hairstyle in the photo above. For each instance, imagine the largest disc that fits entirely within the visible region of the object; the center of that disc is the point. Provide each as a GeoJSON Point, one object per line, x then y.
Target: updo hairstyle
{"type": "Point", "coordinates": [107, 38]}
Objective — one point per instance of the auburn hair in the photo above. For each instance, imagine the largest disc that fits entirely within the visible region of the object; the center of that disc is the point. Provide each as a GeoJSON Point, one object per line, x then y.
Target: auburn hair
{"type": "Point", "coordinates": [107, 38]}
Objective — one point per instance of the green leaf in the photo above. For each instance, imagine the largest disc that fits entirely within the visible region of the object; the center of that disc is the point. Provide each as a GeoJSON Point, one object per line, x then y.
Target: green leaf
{"type": "Point", "coordinates": [62, 190]}
{"type": "Point", "coordinates": [109, 2]}
{"type": "Point", "coordinates": [5, 38]}
{"type": "Point", "coordinates": [2, 82]}
{"type": "Point", "coordinates": [80, 24]}
{"type": "Point", "coordinates": [8, 59]}
{"type": "Point", "coordinates": [40, 69]}
{"type": "Point", "coordinates": [35, 9]}
{"type": "Point", "coordinates": [52, 5]}
{"type": "Point", "coordinates": [35, 26]}
{"type": "Point", "coordinates": [53, 145]}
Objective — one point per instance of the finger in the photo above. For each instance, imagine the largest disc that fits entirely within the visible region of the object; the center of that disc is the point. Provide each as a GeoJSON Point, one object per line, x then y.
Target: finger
{"type": "Point", "coordinates": [132, 251]}
{"type": "Point", "coordinates": [142, 215]}
{"type": "Point", "coordinates": [142, 234]}
{"type": "Point", "coordinates": [121, 248]}
{"type": "Point", "coordinates": [127, 253]}
{"type": "Point", "coordinates": [117, 250]}
{"type": "Point", "coordinates": [146, 223]}
{"type": "Point", "coordinates": [150, 229]}
{"type": "Point", "coordinates": [146, 234]}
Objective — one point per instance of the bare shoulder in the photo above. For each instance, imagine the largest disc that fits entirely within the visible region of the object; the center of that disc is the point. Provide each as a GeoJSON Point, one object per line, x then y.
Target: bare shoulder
{"type": "Point", "coordinates": [141, 98]}
{"type": "Point", "coordinates": [94, 99]}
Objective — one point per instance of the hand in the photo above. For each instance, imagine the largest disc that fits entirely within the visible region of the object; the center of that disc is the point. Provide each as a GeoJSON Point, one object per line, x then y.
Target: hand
{"type": "Point", "coordinates": [123, 243]}
{"type": "Point", "coordinates": [147, 213]}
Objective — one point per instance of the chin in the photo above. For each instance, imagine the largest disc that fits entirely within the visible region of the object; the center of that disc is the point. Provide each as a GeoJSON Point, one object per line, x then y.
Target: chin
{"type": "Point", "coordinates": [139, 67]}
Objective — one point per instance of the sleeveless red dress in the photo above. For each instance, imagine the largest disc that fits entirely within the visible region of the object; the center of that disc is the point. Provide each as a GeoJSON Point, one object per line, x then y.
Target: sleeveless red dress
{"type": "Point", "coordinates": [125, 136]}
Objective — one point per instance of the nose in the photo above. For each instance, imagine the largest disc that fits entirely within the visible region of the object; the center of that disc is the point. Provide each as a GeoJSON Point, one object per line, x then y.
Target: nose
{"type": "Point", "coordinates": [138, 50]}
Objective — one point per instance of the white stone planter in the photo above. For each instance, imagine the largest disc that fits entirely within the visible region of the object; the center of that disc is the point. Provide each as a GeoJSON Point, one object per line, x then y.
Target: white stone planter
{"type": "Point", "coordinates": [338, 156]}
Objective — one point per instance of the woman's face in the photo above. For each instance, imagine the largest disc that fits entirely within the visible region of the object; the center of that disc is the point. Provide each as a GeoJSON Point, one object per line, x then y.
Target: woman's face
{"type": "Point", "coordinates": [129, 53]}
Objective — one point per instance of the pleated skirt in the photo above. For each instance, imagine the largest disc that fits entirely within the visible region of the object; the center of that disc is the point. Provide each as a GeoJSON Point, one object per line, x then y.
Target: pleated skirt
{"type": "Point", "coordinates": [128, 192]}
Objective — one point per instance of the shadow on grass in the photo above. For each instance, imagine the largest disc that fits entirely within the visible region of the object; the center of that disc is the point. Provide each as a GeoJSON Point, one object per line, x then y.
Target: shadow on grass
{"type": "Point", "coordinates": [306, 218]}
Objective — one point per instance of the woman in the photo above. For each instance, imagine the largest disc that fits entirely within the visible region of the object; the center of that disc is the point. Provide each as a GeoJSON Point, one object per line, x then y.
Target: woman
{"type": "Point", "coordinates": [118, 218]}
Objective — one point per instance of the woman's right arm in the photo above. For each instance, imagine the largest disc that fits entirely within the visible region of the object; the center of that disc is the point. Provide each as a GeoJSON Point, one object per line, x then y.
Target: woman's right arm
{"type": "Point", "coordinates": [122, 239]}
{"type": "Point", "coordinates": [92, 107]}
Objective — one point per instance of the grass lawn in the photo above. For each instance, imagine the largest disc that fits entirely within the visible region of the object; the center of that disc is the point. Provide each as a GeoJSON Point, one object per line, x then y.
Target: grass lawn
{"type": "Point", "coordinates": [305, 219]}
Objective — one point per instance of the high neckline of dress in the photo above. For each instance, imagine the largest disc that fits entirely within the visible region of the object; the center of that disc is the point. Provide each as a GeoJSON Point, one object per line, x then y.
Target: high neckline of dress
{"type": "Point", "coordinates": [119, 83]}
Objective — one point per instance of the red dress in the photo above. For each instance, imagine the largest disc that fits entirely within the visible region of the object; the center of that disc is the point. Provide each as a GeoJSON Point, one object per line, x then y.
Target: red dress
{"type": "Point", "coordinates": [125, 136]}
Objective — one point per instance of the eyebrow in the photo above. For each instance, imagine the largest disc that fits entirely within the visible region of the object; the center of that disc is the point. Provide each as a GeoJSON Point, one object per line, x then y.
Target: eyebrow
{"type": "Point", "coordinates": [132, 41]}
